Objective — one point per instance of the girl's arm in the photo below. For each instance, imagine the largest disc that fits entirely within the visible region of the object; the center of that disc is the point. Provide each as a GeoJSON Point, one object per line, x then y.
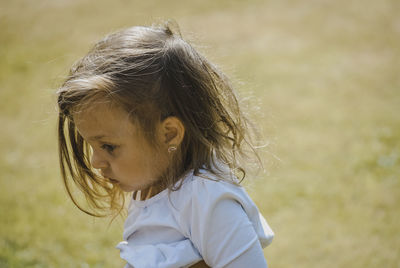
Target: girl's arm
{"type": "Point", "coordinates": [230, 239]}
{"type": "Point", "coordinates": [219, 225]}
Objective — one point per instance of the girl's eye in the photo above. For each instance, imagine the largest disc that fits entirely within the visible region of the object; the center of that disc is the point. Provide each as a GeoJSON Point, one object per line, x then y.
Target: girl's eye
{"type": "Point", "coordinates": [109, 148]}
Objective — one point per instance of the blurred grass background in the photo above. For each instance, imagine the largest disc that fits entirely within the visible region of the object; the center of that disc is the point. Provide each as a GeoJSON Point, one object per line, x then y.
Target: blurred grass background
{"type": "Point", "coordinates": [325, 75]}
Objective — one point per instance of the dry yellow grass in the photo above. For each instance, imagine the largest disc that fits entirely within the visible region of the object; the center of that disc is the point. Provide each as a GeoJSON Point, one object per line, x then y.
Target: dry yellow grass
{"type": "Point", "coordinates": [324, 73]}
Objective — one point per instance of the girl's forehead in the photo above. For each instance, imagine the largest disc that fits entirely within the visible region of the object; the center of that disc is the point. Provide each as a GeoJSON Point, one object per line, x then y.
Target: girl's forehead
{"type": "Point", "coordinates": [98, 112]}
{"type": "Point", "coordinates": [102, 120]}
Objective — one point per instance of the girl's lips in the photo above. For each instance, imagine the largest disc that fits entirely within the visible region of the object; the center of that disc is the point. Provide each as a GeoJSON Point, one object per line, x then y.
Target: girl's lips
{"type": "Point", "coordinates": [113, 181]}
{"type": "Point", "coordinates": [108, 178]}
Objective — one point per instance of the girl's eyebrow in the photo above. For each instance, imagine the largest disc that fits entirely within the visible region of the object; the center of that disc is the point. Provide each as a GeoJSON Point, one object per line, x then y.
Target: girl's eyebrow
{"type": "Point", "coordinates": [97, 137]}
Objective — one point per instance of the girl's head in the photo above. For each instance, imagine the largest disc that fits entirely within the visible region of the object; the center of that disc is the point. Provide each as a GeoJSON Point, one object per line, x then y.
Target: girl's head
{"type": "Point", "coordinates": [140, 109]}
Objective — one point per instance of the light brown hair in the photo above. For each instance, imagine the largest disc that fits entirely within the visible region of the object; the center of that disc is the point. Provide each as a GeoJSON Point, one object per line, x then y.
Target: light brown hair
{"type": "Point", "coordinates": [152, 73]}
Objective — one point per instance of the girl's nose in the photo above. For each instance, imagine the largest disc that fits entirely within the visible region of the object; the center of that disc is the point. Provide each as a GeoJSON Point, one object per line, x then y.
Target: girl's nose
{"type": "Point", "coordinates": [97, 162]}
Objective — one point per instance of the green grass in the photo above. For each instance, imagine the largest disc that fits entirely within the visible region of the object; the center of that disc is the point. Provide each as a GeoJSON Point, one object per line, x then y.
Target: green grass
{"type": "Point", "coordinates": [325, 75]}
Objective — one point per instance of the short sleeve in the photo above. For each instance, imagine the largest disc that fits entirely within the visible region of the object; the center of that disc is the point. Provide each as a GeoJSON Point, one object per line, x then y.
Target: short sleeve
{"type": "Point", "coordinates": [225, 225]}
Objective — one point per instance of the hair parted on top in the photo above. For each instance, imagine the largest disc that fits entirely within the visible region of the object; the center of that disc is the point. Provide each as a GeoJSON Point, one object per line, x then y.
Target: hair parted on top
{"type": "Point", "coordinates": [152, 73]}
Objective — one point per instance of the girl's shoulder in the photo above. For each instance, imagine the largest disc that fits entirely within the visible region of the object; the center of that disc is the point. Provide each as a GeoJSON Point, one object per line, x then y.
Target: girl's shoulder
{"type": "Point", "coordinates": [204, 185]}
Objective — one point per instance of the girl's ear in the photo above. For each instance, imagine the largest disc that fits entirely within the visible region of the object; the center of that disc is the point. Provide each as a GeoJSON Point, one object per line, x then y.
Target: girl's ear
{"type": "Point", "coordinates": [171, 131]}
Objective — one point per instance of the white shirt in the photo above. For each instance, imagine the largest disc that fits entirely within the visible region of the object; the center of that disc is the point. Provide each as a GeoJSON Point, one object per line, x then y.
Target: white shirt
{"type": "Point", "coordinates": [210, 220]}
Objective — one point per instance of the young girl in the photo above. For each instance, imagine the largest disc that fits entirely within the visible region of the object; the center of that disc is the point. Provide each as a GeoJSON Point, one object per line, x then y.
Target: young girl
{"type": "Point", "coordinates": [144, 113]}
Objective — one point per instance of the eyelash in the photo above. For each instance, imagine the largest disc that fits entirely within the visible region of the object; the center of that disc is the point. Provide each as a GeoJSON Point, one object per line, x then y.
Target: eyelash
{"type": "Point", "coordinates": [109, 148]}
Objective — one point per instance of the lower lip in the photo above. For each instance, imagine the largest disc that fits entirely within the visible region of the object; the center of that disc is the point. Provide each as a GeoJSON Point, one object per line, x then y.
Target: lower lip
{"type": "Point", "coordinates": [113, 181]}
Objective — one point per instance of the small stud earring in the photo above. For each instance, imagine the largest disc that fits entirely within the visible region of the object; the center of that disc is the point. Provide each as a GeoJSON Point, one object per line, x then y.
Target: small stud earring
{"type": "Point", "coordinates": [172, 148]}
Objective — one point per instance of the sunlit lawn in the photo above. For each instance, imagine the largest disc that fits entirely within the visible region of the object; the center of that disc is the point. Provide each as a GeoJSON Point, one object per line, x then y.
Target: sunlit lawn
{"type": "Point", "coordinates": [324, 76]}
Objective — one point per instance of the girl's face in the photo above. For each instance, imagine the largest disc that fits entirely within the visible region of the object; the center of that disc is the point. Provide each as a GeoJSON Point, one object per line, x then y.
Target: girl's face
{"type": "Point", "coordinates": [120, 153]}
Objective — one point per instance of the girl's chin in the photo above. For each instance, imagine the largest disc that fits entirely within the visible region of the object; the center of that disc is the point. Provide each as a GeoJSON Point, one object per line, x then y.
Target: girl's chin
{"type": "Point", "coordinates": [126, 188]}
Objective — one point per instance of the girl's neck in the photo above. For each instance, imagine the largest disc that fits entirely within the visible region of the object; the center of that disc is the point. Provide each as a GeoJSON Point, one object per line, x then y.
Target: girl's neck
{"type": "Point", "coordinates": [147, 193]}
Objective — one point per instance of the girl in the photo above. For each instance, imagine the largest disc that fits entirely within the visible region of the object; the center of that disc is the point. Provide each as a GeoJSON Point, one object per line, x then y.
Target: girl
{"type": "Point", "coordinates": [144, 113]}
